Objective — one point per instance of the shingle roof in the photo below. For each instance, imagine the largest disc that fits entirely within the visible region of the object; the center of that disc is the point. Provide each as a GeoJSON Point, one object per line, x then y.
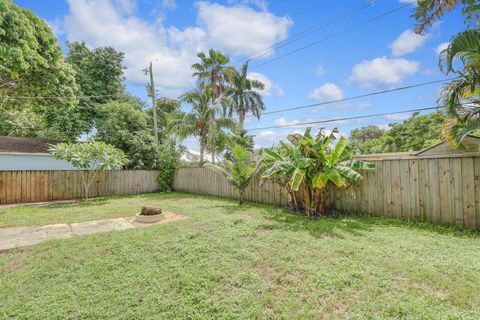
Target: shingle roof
{"type": "Point", "coordinates": [25, 145]}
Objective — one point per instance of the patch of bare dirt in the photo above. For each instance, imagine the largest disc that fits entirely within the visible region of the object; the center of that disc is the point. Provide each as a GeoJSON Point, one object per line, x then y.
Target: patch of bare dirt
{"type": "Point", "coordinates": [169, 217]}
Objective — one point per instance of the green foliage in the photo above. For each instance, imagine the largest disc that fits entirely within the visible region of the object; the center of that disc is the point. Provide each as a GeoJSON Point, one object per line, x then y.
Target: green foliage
{"type": "Point", "coordinates": [243, 95]}
{"type": "Point", "coordinates": [241, 138]}
{"type": "Point", "coordinates": [32, 65]}
{"type": "Point", "coordinates": [360, 138]}
{"type": "Point", "coordinates": [310, 163]}
{"type": "Point", "coordinates": [429, 11]}
{"type": "Point", "coordinates": [239, 171]}
{"type": "Point", "coordinates": [414, 134]}
{"type": "Point", "coordinates": [99, 74]}
{"type": "Point", "coordinates": [168, 160]}
{"type": "Point", "coordinates": [460, 98]}
{"type": "Point", "coordinates": [88, 156]}
{"type": "Point", "coordinates": [200, 121]}
{"type": "Point", "coordinates": [165, 106]}
{"type": "Point", "coordinates": [124, 126]}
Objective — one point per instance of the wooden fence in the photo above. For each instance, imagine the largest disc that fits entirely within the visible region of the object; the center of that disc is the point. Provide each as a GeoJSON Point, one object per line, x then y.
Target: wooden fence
{"type": "Point", "coordinates": [38, 186]}
{"type": "Point", "coordinates": [440, 190]}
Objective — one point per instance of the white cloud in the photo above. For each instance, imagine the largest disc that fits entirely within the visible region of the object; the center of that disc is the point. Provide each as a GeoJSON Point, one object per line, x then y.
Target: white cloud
{"type": "Point", "coordinates": [398, 116]}
{"type": "Point", "coordinates": [169, 4]}
{"type": "Point", "coordinates": [265, 134]}
{"type": "Point", "coordinates": [261, 4]}
{"type": "Point", "coordinates": [408, 1]}
{"type": "Point", "coordinates": [270, 87]}
{"type": "Point", "coordinates": [407, 42]}
{"type": "Point", "coordinates": [441, 47]}
{"type": "Point", "coordinates": [172, 50]}
{"type": "Point", "coordinates": [240, 29]}
{"type": "Point", "coordinates": [382, 71]}
{"type": "Point", "coordinates": [284, 122]}
{"type": "Point", "coordinates": [320, 70]}
{"type": "Point", "coordinates": [327, 92]}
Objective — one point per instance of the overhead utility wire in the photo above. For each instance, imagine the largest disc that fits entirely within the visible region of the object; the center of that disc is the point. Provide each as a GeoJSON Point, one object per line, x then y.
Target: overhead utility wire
{"type": "Point", "coordinates": [343, 119]}
{"type": "Point", "coordinates": [281, 44]}
{"type": "Point", "coordinates": [355, 97]}
{"type": "Point", "coordinates": [332, 36]}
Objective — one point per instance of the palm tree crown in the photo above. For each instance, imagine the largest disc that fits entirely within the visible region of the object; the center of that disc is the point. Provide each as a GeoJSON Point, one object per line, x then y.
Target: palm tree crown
{"type": "Point", "coordinates": [244, 95]}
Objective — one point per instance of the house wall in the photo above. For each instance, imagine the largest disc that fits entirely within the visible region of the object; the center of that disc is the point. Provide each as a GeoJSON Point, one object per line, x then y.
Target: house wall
{"type": "Point", "coordinates": [27, 161]}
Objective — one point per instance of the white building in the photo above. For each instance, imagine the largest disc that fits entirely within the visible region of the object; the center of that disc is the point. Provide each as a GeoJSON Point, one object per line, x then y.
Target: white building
{"type": "Point", "coordinates": [29, 154]}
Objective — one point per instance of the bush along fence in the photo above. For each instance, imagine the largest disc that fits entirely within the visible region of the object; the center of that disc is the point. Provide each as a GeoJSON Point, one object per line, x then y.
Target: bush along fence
{"type": "Point", "coordinates": [439, 190]}
{"type": "Point", "coordinates": [39, 185]}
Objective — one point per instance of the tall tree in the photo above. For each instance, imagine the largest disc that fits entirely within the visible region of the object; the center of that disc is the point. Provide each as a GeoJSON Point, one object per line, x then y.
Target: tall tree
{"type": "Point", "coordinates": [360, 138]}
{"type": "Point", "coordinates": [200, 121]}
{"type": "Point", "coordinates": [213, 71]}
{"type": "Point", "coordinates": [37, 88]}
{"type": "Point", "coordinates": [165, 106]}
{"type": "Point", "coordinates": [99, 74]}
{"type": "Point", "coordinates": [245, 98]}
{"type": "Point", "coordinates": [124, 126]}
{"type": "Point", "coordinates": [429, 11]}
{"type": "Point", "coordinates": [460, 99]}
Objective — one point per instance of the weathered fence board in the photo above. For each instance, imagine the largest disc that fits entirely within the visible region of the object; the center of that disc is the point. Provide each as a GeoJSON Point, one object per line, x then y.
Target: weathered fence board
{"type": "Point", "coordinates": [39, 186]}
{"type": "Point", "coordinates": [440, 190]}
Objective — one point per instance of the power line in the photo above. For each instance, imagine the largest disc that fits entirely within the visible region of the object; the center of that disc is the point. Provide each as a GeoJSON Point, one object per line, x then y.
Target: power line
{"type": "Point", "coordinates": [343, 119]}
{"type": "Point", "coordinates": [333, 35]}
{"type": "Point", "coordinates": [355, 97]}
{"type": "Point", "coordinates": [308, 32]}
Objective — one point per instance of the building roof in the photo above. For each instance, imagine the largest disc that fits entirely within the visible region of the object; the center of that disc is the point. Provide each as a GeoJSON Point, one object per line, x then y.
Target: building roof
{"type": "Point", "coordinates": [470, 144]}
{"type": "Point", "coordinates": [25, 145]}
{"type": "Point", "coordinates": [386, 155]}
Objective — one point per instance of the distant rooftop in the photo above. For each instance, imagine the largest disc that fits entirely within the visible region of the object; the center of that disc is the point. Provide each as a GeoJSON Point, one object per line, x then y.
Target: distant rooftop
{"type": "Point", "coordinates": [25, 145]}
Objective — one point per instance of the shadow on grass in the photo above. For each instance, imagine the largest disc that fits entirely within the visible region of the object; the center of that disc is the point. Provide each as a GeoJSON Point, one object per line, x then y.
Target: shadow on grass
{"type": "Point", "coordinates": [336, 224]}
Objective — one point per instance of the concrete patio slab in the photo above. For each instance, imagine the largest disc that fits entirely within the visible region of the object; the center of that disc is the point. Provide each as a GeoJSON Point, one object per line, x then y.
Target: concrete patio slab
{"type": "Point", "coordinates": [96, 226]}
{"type": "Point", "coordinates": [26, 236]}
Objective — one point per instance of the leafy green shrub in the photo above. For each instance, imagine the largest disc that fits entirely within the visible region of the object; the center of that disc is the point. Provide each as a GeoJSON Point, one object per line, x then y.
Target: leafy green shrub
{"type": "Point", "coordinates": [167, 161]}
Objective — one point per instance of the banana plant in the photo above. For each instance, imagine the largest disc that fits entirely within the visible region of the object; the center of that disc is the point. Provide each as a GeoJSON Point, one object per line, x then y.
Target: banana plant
{"type": "Point", "coordinates": [313, 165]}
{"type": "Point", "coordinates": [238, 172]}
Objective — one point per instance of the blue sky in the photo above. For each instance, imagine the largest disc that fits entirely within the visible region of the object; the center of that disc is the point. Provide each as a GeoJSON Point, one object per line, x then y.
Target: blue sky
{"type": "Point", "coordinates": [383, 54]}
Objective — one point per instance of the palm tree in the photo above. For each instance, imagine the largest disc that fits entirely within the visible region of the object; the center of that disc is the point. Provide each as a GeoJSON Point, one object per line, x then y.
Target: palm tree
{"type": "Point", "coordinates": [240, 171]}
{"type": "Point", "coordinates": [460, 99]}
{"type": "Point", "coordinates": [427, 12]}
{"type": "Point", "coordinates": [200, 121]}
{"type": "Point", "coordinates": [244, 97]}
{"type": "Point", "coordinates": [213, 71]}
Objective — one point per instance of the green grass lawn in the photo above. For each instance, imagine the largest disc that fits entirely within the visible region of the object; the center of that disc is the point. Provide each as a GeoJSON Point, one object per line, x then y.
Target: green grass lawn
{"type": "Point", "coordinates": [230, 262]}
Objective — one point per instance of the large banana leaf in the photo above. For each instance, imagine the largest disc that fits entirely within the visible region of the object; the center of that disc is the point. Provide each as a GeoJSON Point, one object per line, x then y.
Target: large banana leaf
{"type": "Point", "coordinates": [319, 180]}
{"type": "Point", "coordinates": [349, 173]}
{"type": "Point", "coordinates": [297, 179]}
{"type": "Point", "coordinates": [337, 151]}
{"type": "Point", "coordinates": [358, 164]}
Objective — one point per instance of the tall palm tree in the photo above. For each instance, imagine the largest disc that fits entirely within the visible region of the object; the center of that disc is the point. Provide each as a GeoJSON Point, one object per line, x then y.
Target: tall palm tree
{"type": "Point", "coordinates": [244, 96]}
{"type": "Point", "coordinates": [460, 99]}
{"type": "Point", "coordinates": [213, 71]}
{"type": "Point", "coordinates": [200, 121]}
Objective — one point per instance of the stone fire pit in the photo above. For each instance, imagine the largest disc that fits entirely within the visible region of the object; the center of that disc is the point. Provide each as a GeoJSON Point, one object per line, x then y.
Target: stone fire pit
{"type": "Point", "coordinates": [149, 215]}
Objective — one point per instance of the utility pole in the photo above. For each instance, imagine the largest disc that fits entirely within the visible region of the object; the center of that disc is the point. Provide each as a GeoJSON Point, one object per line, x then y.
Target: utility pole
{"type": "Point", "coordinates": [151, 93]}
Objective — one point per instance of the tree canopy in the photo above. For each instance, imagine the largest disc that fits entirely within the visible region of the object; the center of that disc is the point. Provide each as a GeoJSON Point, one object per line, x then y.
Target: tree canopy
{"type": "Point", "coordinates": [416, 133]}
{"type": "Point", "coordinates": [37, 87]}
{"type": "Point", "coordinates": [124, 126]}
{"type": "Point", "coordinates": [99, 75]}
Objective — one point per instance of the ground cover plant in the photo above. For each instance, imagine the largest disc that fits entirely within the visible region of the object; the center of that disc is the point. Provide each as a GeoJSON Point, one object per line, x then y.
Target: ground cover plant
{"type": "Point", "coordinates": [241, 262]}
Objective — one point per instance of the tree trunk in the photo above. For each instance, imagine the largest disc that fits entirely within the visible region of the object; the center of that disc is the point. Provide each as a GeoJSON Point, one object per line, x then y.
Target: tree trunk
{"type": "Point", "coordinates": [241, 118]}
{"type": "Point", "coordinates": [241, 198]}
{"type": "Point", "coordinates": [202, 150]}
{"type": "Point", "coordinates": [308, 201]}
